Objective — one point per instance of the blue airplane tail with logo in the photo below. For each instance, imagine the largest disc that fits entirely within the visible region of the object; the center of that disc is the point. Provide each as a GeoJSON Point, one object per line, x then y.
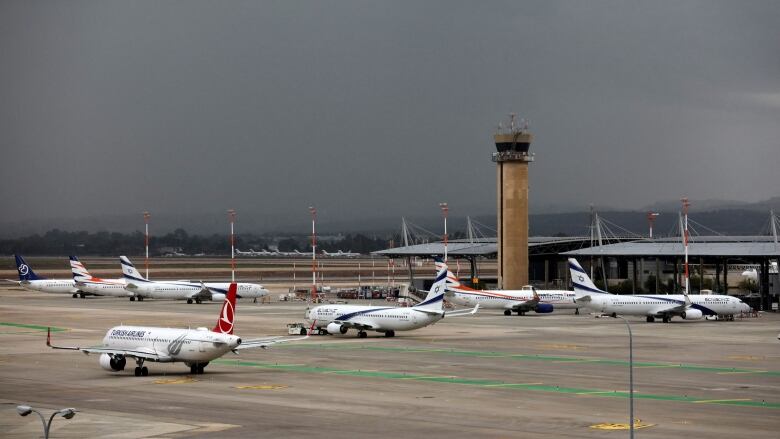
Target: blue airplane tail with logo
{"type": "Point", "coordinates": [25, 271]}
{"type": "Point", "coordinates": [581, 281]}
{"type": "Point", "coordinates": [435, 298]}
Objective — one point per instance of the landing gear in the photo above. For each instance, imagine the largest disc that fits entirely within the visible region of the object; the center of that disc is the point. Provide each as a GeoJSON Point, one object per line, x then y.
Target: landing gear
{"type": "Point", "coordinates": [197, 369]}
{"type": "Point", "coordinates": [390, 333]}
{"type": "Point", "coordinates": [189, 301]}
{"type": "Point", "coordinates": [576, 311]}
{"type": "Point", "coordinates": [255, 300]}
{"type": "Point", "coordinates": [507, 312]}
{"type": "Point", "coordinates": [319, 332]}
{"type": "Point", "coordinates": [82, 295]}
{"type": "Point", "coordinates": [614, 315]}
{"type": "Point", "coordinates": [75, 295]}
{"type": "Point", "coordinates": [362, 334]}
{"type": "Point", "coordinates": [141, 370]}
{"type": "Point", "coordinates": [520, 313]}
{"type": "Point", "coordinates": [666, 319]}
{"type": "Point", "coordinates": [132, 298]}
{"type": "Point", "coordinates": [650, 319]}
{"type": "Point", "coordinates": [198, 301]}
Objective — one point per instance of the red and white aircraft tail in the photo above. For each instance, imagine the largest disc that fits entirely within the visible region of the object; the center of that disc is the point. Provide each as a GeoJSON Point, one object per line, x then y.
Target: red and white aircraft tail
{"type": "Point", "coordinates": [227, 314]}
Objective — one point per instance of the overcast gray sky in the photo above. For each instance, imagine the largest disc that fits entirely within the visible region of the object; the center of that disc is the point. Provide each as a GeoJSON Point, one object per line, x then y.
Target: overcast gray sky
{"type": "Point", "coordinates": [381, 108]}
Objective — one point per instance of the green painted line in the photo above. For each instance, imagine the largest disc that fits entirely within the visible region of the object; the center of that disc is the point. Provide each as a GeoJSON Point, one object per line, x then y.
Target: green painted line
{"type": "Point", "coordinates": [492, 383]}
{"type": "Point", "coordinates": [34, 327]}
{"type": "Point", "coordinates": [533, 357]}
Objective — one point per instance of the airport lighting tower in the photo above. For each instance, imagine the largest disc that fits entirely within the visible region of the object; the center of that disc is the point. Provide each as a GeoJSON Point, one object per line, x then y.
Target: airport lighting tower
{"type": "Point", "coordinates": [512, 159]}
{"type": "Point", "coordinates": [313, 212]}
{"type": "Point", "coordinates": [444, 211]}
{"type": "Point", "coordinates": [147, 215]}
{"type": "Point", "coordinates": [232, 218]}
{"type": "Point", "coordinates": [686, 205]}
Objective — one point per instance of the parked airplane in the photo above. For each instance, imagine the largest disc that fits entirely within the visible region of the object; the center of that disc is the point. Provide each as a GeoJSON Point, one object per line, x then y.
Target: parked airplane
{"type": "Point", "coordinates": [341, 254]}
{"type": "Point", "coordinates": [95, 285]}
{"type": "Point", "coordinates": [182, 290]}
{"type": "Point", "coordinates": [519, 301]}
{"type": "Point", "coordinates": [194, 347]}
{"type": "Point", "coordinates": [31, 281]}
{"type": "Point", "coordinates": [651, 306]}
{"type": "Point", "coordinates": [340, 318]}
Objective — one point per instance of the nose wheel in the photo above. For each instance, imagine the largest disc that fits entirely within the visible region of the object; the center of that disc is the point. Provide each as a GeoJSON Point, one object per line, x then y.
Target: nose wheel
{"type": "Point", "coordinates": [140, 369]}
{"type": "Point", "coordinates": [390, 333]}
{"type": "Point", "coordinates": [362, 334]}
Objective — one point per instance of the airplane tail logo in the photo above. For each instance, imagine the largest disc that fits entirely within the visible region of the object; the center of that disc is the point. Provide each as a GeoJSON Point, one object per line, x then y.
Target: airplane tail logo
{"type": "Point", "coordinates": [78, 269]}
{"type": "Point", "coordinates": [25, 272]}
{"type": "Point", "coordinates": [129, 271]}
{"type": "Point", "coordinates": [228, 313]}
{"type": "Point", "coordinates": [581, 280]}
{"type": "Point", "coordinates": [435, 297]}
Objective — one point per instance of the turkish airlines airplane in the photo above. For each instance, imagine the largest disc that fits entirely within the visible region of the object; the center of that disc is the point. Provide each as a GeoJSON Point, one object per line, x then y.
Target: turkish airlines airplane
{"type": "Point", "coordinates": [193, 347]}
{"type": "Point", "coordinates": [340, 318]}
{"type": "Point", "coordinates": [31, 281]}
{"type": "Point", "coordinates": [663, 306]}
{"type": "Point", "coordinates": [95, 285]}
{"type": "Point", "coordinates": [181, 289]}
{"type": "Point", "coordinates": [519, 301]}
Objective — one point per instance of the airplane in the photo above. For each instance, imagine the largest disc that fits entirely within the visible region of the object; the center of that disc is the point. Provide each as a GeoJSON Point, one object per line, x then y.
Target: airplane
{"type": "Point", "coordinates": [341, 254]}
{"type": "Point", "coordinates": [340, 318]}
{"type": "Point", "coordinates": [182, 289]}
{"type": "Point", "coordinates": [95, 285]}
{"type": "Point", "coordinates": [31, 281]}
{"type": "Point", "coordinates": [194, 347]}
{"type": "Point", "coordinates": [663, 306]}
{"type": "Point", "coordinates": [519, 301]}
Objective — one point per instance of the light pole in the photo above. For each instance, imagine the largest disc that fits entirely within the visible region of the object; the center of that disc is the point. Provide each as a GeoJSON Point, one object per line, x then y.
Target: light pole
{"type": "Point", "coordinates": [630, 372]}
{"type": "Point", "coordinates": [147, 215]}
{"type": "Point", "coordinates": [25, 410]}
{"type": "Point", "coordinates": [232, 218]}
{"type": "Point", "coordinates": [313, 212]}
{"type": "Point", "coordinates": [651, 219]}
{"type": "Point", "coordinates": [444, 210]}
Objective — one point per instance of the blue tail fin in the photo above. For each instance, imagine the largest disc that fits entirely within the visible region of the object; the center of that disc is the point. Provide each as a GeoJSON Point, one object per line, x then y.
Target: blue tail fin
{"type": "Point", "coordinates": [435, 298]}
{"type": "Point", "coordinates": [25, 271]}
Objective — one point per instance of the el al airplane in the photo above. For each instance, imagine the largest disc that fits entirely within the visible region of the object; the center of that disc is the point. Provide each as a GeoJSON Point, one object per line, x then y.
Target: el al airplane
{"type": "Point", "coordinates": [31, 281]}
{"type": "Point", "coordinates": [95, 285]}
{"type": "Point", "coordinates": [519, 301]}
{"type": "Point", "coordinates": [340, 318]}
{"type": "Point", "coordinates": [663, 306]}
{"type": "Point", "coordinates": [194, 347]}
{"type": "Point", "coordinates": [182, 290]}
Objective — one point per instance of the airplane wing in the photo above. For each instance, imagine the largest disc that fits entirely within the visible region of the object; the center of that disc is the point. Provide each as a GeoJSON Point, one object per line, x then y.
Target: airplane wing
{"type": "Point", "coordinates": [203, 294]}
{"type": "Point", "coordinates": [264, 343]}
{"type": "Point", "coordinates": [463, 312]}
{"type": "Point", "coordinates": [145, 353]}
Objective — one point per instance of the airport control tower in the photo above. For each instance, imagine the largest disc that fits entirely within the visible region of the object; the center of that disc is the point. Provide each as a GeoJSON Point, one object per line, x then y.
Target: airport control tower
{"type": "Point", "coordinates": [512, 159]}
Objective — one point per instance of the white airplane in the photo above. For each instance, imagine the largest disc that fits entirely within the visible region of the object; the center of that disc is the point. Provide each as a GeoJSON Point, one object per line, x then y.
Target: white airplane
{"type": "Point", "coordinates": [182, 290]}
{"type": "Point", "coordinates": [651, 306]}
{"type": "Point", "coordinates": [340, 318]}
{"type": "Point", "coordinates": [519, 301]}
{"type": "Point", "coordinates": [31, 281]}
{"type": "Point", "coordinates": [341, 254]}
{"type": "Point", "coordinates": [194, 347]}
{"type": "Point", "coordinates": [249, 253]}
{"type": "Point", "coordinates": [95, 285]}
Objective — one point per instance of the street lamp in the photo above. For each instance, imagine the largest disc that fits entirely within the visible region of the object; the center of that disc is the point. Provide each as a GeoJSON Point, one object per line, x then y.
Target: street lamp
{"type": "Point", "coordinates": [25, 410]}
{"type": "Point", "coordinates": [630, 371]}
{"type": "Point", "coordinates": [444, 210]}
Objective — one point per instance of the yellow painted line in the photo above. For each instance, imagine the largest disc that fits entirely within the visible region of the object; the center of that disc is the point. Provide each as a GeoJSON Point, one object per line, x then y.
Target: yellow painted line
{"type": "Point", "coordinates": [745, 357]}
{"type": "Point", "coordinates": [720, 400]}
{"type": "Point", "coordinates": [262, 387]}
{"type": "Point", "coordinates": [513, 384]}
{"type": "Point", "coordinates": [618, 426]}
{"type": "Point", "coordinates": [185, 380]}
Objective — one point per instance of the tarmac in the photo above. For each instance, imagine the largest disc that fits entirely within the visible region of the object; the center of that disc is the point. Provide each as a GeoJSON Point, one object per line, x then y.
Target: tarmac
{"type": "Point", "coordinates": [488, 375]}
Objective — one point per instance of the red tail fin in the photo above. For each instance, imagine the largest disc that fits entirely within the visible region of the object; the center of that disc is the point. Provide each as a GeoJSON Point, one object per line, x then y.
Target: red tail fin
{"type": "Point", "coordinates": [228, 313]}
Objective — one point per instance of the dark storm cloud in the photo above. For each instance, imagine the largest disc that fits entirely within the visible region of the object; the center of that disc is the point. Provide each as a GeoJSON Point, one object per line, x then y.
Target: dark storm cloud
{"type": "Point", "coordinates": [371, 109]}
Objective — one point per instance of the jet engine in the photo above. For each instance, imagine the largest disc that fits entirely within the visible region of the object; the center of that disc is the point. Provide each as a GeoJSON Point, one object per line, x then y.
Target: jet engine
{"type": "Point", "coordinates": [543, 308]}
{"type": "Point", "coordinates": [692, 314]}
{"type": "Point", "coordinates": [334, 327]}
{"type": "Point", "coordinates": [114, 364]}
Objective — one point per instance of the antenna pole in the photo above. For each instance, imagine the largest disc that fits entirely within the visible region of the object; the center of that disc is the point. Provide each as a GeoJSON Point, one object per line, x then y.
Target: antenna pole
{"type": "Point", "coordinates": [313, 212]}
{"type": "Point", "coordinates": [232, 218]}
{"type": "Point", "coordinates": [444, 210]}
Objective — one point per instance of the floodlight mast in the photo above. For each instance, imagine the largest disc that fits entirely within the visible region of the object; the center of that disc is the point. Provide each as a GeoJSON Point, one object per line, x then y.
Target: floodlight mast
{"type": "Point", "coordinates": [686, 204]}
{"type": "Point", "coordinates": [232, 218]}
{"type": "Point", "coordinates": [147, 215]}
{"type": "Point", "coordinates": [445, 210]}
{"type": "Point", "coordinates": [313, 212]}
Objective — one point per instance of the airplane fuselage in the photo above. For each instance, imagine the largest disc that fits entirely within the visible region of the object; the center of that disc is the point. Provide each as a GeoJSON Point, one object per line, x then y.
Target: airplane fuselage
{"type": "Point", "coordinates": [648, 305]}
{"type": "Point", "coordinates": [54, 286]}
{"type": "Point", "coordinates": [378, 317]}
{"type": "Point", "coordinates": [511, 299]}
{"type": "Point", "coordinates": [171, 345]}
